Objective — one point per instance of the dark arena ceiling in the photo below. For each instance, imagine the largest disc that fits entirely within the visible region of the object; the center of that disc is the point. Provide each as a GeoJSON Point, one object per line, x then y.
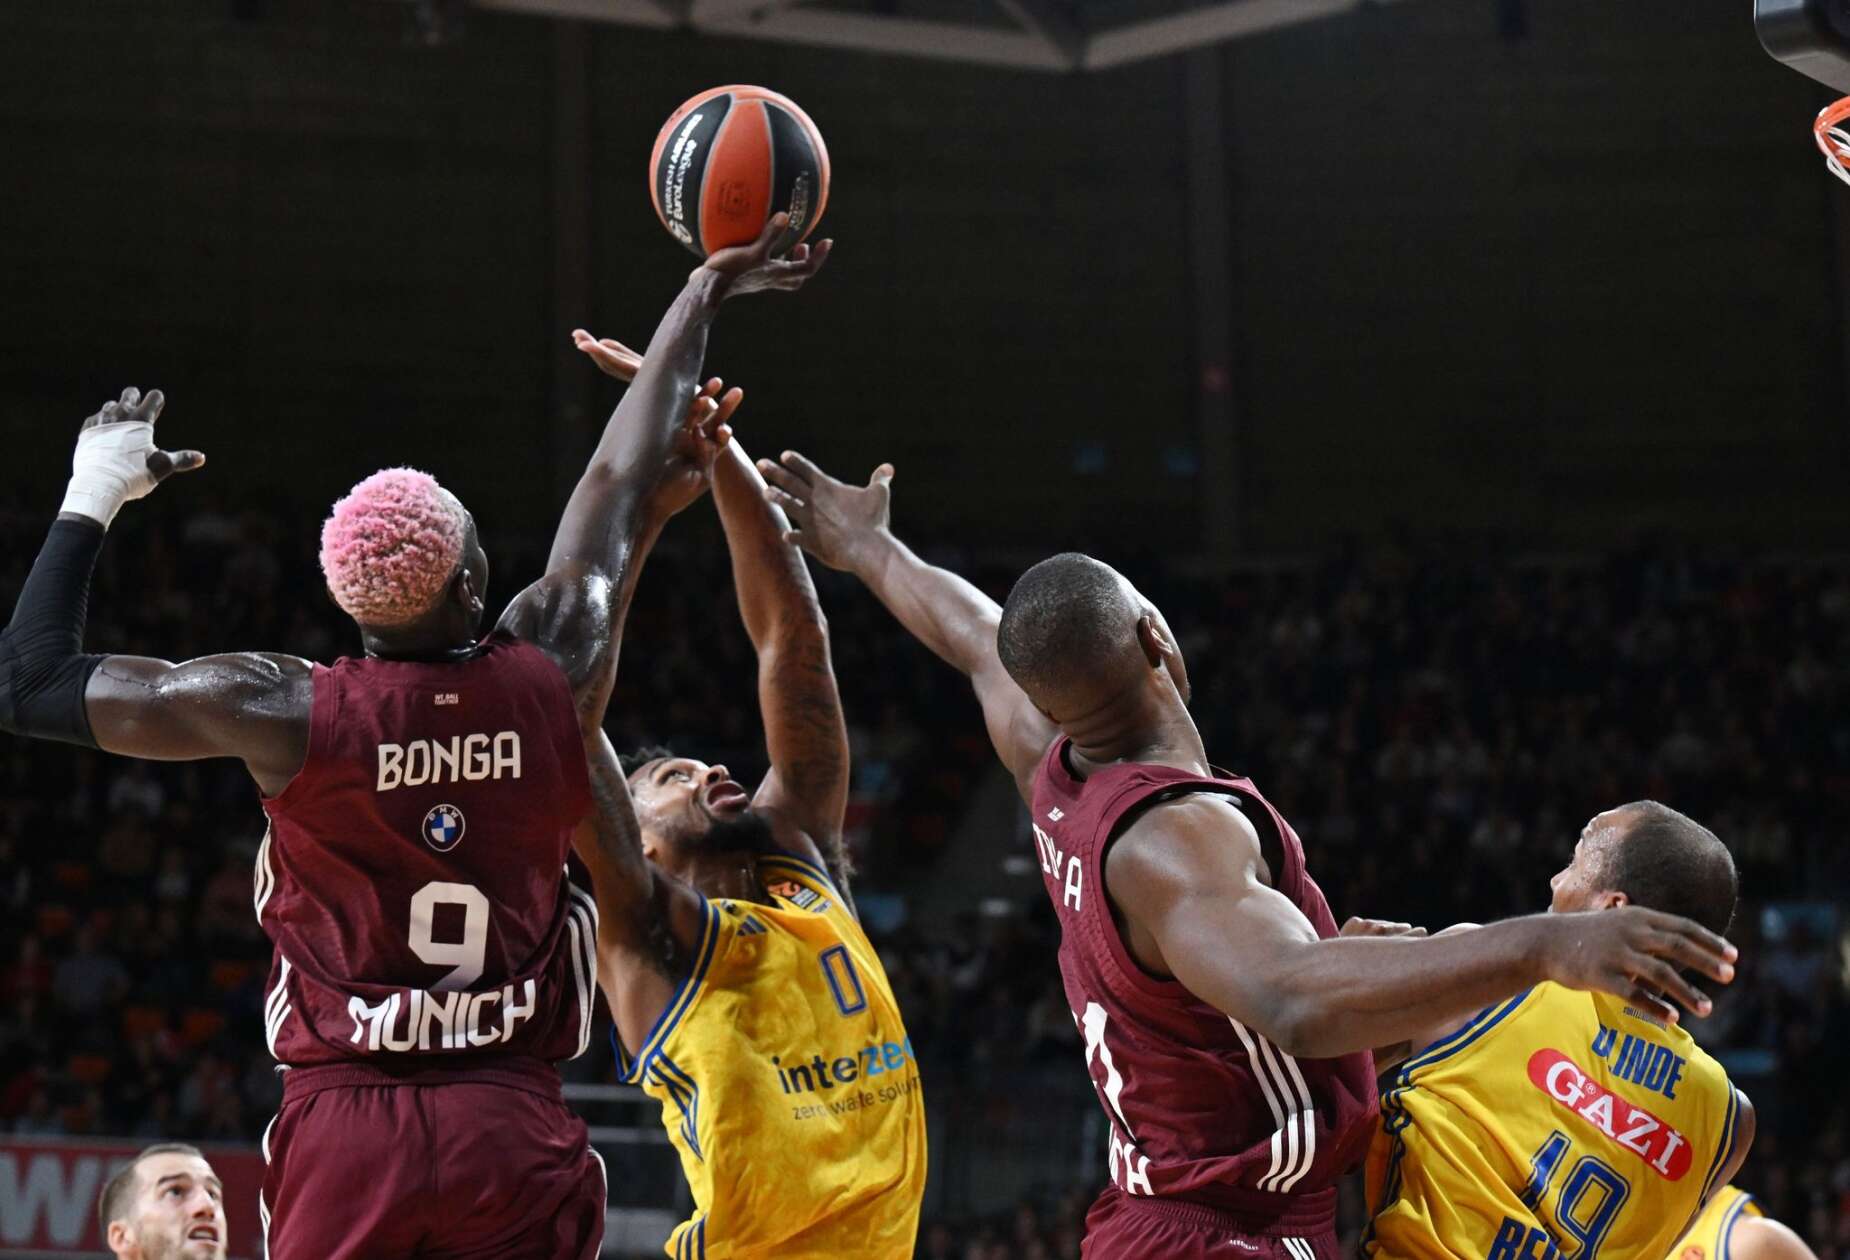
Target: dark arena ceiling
{"type": "Point", "coordinates": [1051, 35]}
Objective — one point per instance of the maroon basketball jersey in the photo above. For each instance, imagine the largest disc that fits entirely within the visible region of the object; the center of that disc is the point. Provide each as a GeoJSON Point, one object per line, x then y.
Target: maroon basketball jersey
{"type": "Point", "coordinates": [413, 876]}
{"type": "Point", "coordinates": [1200, 1107]}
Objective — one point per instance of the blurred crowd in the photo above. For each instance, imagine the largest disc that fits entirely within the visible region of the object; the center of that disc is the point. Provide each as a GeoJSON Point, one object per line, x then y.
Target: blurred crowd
{"type": "Point", "coordinates": [1437, 723]}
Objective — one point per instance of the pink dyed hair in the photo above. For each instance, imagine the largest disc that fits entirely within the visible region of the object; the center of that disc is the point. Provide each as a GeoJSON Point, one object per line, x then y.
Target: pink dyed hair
{"type": "Point", "coordinates": [391, 546]}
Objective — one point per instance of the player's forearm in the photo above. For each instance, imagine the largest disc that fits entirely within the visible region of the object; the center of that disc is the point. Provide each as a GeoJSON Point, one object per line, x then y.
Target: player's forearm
{"type": "Point", "coordinates": [1356, 993]}
{"type": "Point", "coordinates": [804, 730]}
{"type": "Point", "coordinates": [938, 608]}
{"type": "Point", "coordinates": [43, 669]}
{"type": "Point", "coordinates": [593, 632]}
{"type": "Point", "coordinates": [777, 598]}
{"type": "Point", "coordinates": [617, 877]}
{"type": "Point", "coordinates": [645, 421]}
{"type": "Point", "coordinates": [609, 505]}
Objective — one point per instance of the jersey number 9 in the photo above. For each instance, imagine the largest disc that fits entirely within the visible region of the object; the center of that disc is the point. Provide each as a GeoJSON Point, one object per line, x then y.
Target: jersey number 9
{"type": "Point", "coordinates": [464, 957]}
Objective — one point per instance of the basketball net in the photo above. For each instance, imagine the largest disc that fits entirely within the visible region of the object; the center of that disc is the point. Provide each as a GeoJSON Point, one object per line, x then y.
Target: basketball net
{"type": "Point", "coordinates": [1833, 140]}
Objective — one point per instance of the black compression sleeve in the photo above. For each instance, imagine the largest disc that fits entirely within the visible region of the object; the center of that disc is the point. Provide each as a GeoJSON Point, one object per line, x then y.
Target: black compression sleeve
{"type": "Point", "coordinates": [43, 671]}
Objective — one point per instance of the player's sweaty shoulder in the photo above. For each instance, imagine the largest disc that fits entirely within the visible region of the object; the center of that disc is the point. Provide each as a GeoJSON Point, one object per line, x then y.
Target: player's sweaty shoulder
{"type": "Point", "coordinates": [255, 706]}
{"type": "Point", "coordinates": [568, 616]}
{"type": "Point", "coordinates": [1172, 861]}
{"type": "Point", "coordinates": [245, 684]}
{"type": "Point", "coordinates": [276, 674]}
{"type": "Point", "coordinates": [1184, 845]}
{"type": "Point", "coordinates": [269, 687]}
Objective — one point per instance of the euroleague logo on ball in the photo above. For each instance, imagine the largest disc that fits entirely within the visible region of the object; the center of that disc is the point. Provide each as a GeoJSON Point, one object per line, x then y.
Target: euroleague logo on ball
{"type": "Point", "coordinates": [443, 827]}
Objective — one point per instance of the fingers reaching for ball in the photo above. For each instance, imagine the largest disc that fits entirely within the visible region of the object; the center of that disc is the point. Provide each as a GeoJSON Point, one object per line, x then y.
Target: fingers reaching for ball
{"type": "Point", "coordinates": [612, 357]}
{"type": "Point", "coordinates": [841, 525]}
{"type": "Point", "coordinates": [728, 403]}
{"type": "Point", "coordinates": [709, 418]}
{"type": "Point", "coordinates": [755, 268]}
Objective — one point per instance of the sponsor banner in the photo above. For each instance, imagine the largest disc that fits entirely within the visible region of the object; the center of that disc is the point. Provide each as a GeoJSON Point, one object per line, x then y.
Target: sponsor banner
{"type": "Point", "coordinates": [49, 1188]}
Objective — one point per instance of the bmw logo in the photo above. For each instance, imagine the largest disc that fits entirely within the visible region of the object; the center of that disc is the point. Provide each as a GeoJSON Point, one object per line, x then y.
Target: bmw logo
{"type": "Point", "coordinates": [443, 827]}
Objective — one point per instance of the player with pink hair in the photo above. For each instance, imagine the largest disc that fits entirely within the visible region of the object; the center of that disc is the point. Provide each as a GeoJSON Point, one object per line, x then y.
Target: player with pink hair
{"type": "Point", "coordinates": [392, 545]}
{"type": "Point", "coordinates": [432, 962]}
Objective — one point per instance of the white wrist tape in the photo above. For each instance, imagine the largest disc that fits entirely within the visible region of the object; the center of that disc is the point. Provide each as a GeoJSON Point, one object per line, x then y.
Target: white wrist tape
{"type": "Point", "coordinates": [109, 468]}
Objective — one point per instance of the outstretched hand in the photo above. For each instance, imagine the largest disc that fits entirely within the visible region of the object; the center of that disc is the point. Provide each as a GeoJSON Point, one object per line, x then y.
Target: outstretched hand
{"type": "Point", "coordinates": [837, 523]}
{"type": "Point", "coordinates": [116, 459]}
{"type": "Point", "coordinates": [1640, 955]}
{"type": "Point", "coordinates": [612, 357]}
{"type": "Point", "coordinates": [702, 436]}
{"type": "Point", "coordinates": [134, 407]}
{"type": "Point", "coordinates": [704, 433]}
{"type": "Point", "coordinates": [1380, 927]}
{"type": "Point", "coordinates": [755, 267]}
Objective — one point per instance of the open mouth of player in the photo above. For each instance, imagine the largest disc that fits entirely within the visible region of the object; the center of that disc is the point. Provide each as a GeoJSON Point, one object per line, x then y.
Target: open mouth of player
{"type": "Point", "coordinates": [726, 797]}
{"type": "Point", "coordinates": [203, 1233]}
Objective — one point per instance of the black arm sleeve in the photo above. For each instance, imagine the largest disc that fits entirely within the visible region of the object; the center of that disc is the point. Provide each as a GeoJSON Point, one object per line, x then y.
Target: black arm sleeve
{"type": "Point", "coordinates": [43, 671]}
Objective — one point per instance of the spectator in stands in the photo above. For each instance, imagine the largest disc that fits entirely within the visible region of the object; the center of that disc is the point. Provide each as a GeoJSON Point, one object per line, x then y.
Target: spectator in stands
{"type": "Point", "coordinates": [90, 979]}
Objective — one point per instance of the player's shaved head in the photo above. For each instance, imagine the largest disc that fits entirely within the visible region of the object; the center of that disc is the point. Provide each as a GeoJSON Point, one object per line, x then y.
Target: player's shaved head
{"type": "Point", "coordinates": [1668, 861]}
{"type": "Point", "coordinates": [1069, 632]}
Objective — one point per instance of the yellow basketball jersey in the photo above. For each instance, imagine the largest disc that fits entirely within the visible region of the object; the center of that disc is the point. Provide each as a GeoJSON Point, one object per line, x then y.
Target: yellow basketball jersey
{"type": "Point", "coordinates": [1558, 1125]}
{"type": "Point", "coordinates": [1708, 1237]}
{"type": "Point", "coordinates": [788, 1084]}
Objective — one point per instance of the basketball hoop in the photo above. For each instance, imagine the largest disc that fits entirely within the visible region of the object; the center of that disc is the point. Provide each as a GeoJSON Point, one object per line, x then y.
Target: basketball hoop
{"type": "Point", "coordinates": [1833, 140]}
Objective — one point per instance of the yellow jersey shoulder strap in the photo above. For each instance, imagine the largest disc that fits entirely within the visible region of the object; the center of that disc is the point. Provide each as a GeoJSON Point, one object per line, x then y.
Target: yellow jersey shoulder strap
{"type": "Point", "coordinates": [1739, 1203]}
{"type": "Point", "coordinates": [1709, 1237]}
{"type": "Point", "coordinates": [808, 887]}
{"type": "Point", "coordinates": [1469, 1035]}
{"type": "Point", "coordinates": [716, 931]}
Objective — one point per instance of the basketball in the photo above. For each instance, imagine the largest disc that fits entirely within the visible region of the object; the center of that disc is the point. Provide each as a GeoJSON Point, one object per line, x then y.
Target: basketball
{"type": "Point", "coordinates": [729, 159]}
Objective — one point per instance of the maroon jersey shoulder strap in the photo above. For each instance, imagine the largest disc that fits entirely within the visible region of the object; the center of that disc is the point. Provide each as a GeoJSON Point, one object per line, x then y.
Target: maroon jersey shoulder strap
{"type": "Point", "coordinates": [323, 713]}
{"type": "Point", "coordinates": [1114, 795]}
{"type": "Point", "coordinates": [1133, 786]}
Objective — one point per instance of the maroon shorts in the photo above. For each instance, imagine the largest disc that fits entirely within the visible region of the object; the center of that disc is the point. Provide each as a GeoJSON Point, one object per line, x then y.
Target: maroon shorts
{"type": "Point", "coordinates": [479, 1163]}
{"type": "Point", "coordinates": [1128, 1227]}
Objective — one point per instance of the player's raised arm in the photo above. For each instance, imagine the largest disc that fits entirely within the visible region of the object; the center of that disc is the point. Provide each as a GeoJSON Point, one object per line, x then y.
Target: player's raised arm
{"type": "Point", "coordinates": [648, 924]}
{"type": "Point", "coordinates": [253, 706]}
{"type": "Point", "coordinates": [1191, 882]}
{"type": "Point", "coordinates": [848, 528]}
{"type": "Point", "coordinates": [805, 733]}
{"type": "Point", "coordinates": [575, 612]}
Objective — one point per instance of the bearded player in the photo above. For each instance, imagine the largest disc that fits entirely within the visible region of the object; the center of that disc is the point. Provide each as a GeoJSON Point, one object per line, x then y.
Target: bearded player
{"type": "Point", "coordinates": [747, 999]}
{"type": "Point", "coordinates": [1227, 1027]}
{"type": "Point", "coordinates": [431, 960]}
{"type": "Point", "coordinates": [165, 1204]}
{"type": "Point", "coordinates": [1564, 1123]}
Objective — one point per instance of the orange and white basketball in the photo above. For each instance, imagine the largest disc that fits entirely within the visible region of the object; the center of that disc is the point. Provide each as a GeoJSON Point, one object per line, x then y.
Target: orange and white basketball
{"type": "Point", "coordinates": [729, 159]}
